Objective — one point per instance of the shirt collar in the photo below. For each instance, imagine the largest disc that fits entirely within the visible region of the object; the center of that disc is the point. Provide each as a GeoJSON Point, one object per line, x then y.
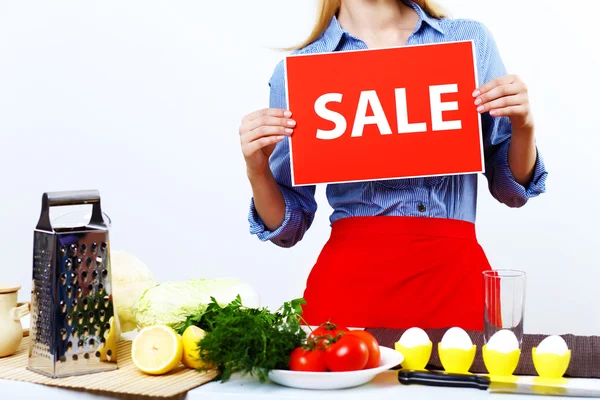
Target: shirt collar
{"type": "Point", "coordinates": [334, 32]}
{"type": "Point", "coordinates": [424, 17]}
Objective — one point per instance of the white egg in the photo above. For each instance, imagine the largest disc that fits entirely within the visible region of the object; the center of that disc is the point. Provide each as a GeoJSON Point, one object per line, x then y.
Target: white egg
{"type": "Point", "coordinates": [456, 338]}
{"type": "Point", "coordinates": [414, 337]}
{"type": "Point", "coordinates": [553, 344]}
{"type": "Point", "coordinates": [503, 341]}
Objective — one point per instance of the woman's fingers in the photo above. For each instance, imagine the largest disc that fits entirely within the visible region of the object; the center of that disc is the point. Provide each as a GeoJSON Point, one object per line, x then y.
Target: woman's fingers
{"type": "Point", "coordinates": [497, 93]}
{"type": "Point", "coordinates": [254, 146]}
{"type": "Point", "coordinates": [511, 111]}
{"type": "Point", "coordinates": [265, 131]}
{"type": "Point", "coordinates": [267, 112]}
{"type": "Point", "coordinates": [267, 121]}
{"type": "Point", "coordinates": [504, 80]}
{"type": "Point", "coordinates": [501, 102]}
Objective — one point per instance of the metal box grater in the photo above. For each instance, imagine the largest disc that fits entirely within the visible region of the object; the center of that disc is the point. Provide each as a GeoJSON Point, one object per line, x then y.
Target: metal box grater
{"type": "Point", "coordinates": [72, 313]}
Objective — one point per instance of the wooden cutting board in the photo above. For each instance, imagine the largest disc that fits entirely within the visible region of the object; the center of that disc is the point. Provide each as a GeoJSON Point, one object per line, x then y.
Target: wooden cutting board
{"type": "Point", "coordinates": [125, 380]}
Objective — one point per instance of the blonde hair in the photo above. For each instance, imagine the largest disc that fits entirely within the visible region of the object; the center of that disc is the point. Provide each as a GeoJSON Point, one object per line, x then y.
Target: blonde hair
{"type": "Point", "coordinates": [329, 8]}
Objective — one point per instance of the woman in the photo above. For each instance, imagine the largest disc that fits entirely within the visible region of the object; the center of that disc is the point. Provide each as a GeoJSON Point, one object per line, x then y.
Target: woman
{"type": "Point", "coordinates": [403, 252]}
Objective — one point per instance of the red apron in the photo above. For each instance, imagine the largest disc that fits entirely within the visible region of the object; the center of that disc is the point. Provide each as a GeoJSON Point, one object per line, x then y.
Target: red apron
{"type": "Point", "coordinates": [398, 272]}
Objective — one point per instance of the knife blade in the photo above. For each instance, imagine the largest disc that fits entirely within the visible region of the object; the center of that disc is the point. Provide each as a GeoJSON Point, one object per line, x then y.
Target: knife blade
{"type": "Point", "coordinates": [438, 378]}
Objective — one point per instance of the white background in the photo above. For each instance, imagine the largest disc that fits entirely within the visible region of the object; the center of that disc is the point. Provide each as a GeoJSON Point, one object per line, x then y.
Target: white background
{"type": "Point", "coordinates": [142, 100]}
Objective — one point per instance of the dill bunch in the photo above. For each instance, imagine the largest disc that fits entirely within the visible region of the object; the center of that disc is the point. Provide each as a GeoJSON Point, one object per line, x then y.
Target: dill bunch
{"type": "Point", "coordinates": [246, 340]}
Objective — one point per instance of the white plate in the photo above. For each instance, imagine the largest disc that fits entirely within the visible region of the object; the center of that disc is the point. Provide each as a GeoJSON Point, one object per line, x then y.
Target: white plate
{"type": "Point", "coordinates": [336, 380]}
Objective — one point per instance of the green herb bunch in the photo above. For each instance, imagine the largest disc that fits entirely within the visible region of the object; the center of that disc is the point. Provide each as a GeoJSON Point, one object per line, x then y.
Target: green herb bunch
{"type": "Point", "coordinates": [248, 340]}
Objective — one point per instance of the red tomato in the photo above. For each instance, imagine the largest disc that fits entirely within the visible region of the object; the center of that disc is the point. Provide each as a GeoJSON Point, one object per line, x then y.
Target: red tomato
{"type": "Point", "coordinates": [371, 342]}
{"type": "Point", "coordinates": [350, 353]}
{"type": "Point", "coordinates": [326, 329]}
{"type": "Point", "coordinates": [308, 360]}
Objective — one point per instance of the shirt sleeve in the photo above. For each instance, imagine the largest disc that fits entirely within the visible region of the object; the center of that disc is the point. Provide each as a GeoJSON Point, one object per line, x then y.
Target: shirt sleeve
{"type": "Point", "coordinates": [300, 204]}
{"type": "Point", "coordinates": [497, 135]}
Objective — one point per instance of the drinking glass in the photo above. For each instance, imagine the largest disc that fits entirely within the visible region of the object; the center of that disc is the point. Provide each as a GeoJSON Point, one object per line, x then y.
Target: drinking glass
{"type": "Point", "coordinates": [504, 302]}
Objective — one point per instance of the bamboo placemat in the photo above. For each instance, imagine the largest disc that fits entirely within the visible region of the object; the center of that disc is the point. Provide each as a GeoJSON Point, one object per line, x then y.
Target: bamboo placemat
{"type": "Point", "coordinates": [125, 380]}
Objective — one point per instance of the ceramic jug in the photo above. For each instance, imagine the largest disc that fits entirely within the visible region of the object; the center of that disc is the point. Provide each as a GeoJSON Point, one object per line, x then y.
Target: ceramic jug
{"type": "Point", "coordinates": [11, 312]}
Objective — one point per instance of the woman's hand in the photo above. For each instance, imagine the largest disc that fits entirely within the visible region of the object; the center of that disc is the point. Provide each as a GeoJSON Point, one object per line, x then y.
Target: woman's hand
{"type": "Point", "coordinates": [260, 131]}
{"type": "Point", "coordinates": [506, 96]}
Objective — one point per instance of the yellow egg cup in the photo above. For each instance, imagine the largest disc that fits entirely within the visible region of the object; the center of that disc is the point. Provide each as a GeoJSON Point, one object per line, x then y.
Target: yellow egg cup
{"type": "Point", "coordinates": [500, 364]}
{"type": "Point", "coordinates": [456, 361]}
{"type": "Point", "coordinates": [550, 365]}
{"type": "Point", "coordinates": [415, 358]}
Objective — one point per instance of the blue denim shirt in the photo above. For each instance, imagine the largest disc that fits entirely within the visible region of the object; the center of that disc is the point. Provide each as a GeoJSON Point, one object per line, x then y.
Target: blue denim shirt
{"type": "Point", "coordinates": [452, 197]}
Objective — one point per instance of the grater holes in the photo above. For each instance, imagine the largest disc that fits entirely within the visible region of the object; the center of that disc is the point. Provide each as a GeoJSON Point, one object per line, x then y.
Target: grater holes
{"type": "Point", "coordinates": [79, 262]}
{"type": "Point", "coordinates": [98, 260]}
{"type": "Point", "coordinates": [80, 318]}
{"type": "Point", "coordinates": [98, 354]}
{"type": "Point", "coordinates": [75, 357]}
{"type": "Point", "coordinates": [83, 249]}
{"type": "Point", "coordinates": [80, 343]}
{"type": "Point", "coordinates": [88, 261]}
{"type": "Point", "coordinates": [91, 317]}
{"type": "Point", "coordinates": [75, 303]}
{"type": "Point", "coordinates": [102, 315]}
{"type": "Point", "coordinates": [104, 273]}
{"type": "Point", "coordinates": [86, 330]}
{"type": "Point", "coordinates": [84, 275]}
{"type": "Point", "coordinates": [85, 303]}
{"type": "Point", "coordinates": [79, 291]}
{"type": "Point", "coordinates": [63, 306]}
{"type": "Point", "coordinates": [63, 334]}
{"type": "Point", "coordinates": [69, 264]}
{"type": "Point", "coordinates": [103, 247]}
{"type": "Point", "coordinates": [109, 352]}
{"type": "Point", "coordinates": [69, 292]}
{"type": "Point", "coordinates": [69, 345]}
{"type": "Point", "coordinates": [63, 251]}
{"type": "Point", "coordinates": [100, 287]}
{"type": "Point", "coordinates": [106, 301]}
{"type": "Point", "coordinates": [63, 359]}
{"type": "Point", "coordinates": [95, 274]}
{"type": "Point", "coordinates": [73, 278]}
{"type": "Point", "coordinates": [96, 303]}
{"type": "Point", "coordinates": [63, 279]}
{"type": "Point", "coordinates": [92, 342]}
{"type": "Point", "coordinates": [90, 287]}
{"type": "Point", "coordinates": [73, 249]}
{"type": "Point", "coordinates": [69, 319]}
{"type": "Point", "coordinates": [86, 356]}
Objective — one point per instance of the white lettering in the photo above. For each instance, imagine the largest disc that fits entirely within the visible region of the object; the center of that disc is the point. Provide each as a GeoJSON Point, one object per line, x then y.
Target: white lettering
{"type": "Point", "coordinates": [378, 117]}
{"type": "Point", "coordinates": [402, 115]}
{"type": "Point", "coordinates": [438, 107]}
{"type": "Point", "coordinates": [337, 118]}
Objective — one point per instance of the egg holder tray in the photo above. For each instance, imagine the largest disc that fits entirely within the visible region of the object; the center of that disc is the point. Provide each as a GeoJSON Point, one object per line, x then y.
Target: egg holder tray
{"type": "Point", "coordinates": [584, 363]}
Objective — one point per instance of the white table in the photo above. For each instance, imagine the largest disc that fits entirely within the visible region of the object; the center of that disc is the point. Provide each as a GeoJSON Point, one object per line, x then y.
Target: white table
{"type": "Point", "coordinates": [384, 386]}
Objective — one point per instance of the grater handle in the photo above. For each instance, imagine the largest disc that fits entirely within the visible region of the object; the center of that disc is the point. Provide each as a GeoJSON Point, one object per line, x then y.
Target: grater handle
{"type": "Point", "coordinates": [71, 198]}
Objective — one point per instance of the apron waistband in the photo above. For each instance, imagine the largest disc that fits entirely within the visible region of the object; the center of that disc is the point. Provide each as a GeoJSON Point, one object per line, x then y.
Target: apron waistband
{"type": "Point", "coordinates": [357, 227]}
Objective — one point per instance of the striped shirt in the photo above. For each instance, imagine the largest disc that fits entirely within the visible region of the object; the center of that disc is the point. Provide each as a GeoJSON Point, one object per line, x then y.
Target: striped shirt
{"type": "Point", "coordinates": [453, 197]}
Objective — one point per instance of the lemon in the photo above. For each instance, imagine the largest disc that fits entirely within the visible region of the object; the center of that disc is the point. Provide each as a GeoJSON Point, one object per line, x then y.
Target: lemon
{"type": "Point", "coordinates": [156, 350]}
{"type": "Point", "coordinates": [191, 353]}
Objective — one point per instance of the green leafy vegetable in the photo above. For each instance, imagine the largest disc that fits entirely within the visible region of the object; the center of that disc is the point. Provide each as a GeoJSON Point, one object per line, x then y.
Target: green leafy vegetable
{"type": "Point", "coordinates": [248, 340]}
{"type": "Point", "coordinates": [170, 303]}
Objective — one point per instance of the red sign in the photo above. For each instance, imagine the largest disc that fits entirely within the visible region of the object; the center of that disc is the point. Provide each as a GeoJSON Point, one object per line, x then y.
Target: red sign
{"type": "Point", "coordinates": [384, 114]}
